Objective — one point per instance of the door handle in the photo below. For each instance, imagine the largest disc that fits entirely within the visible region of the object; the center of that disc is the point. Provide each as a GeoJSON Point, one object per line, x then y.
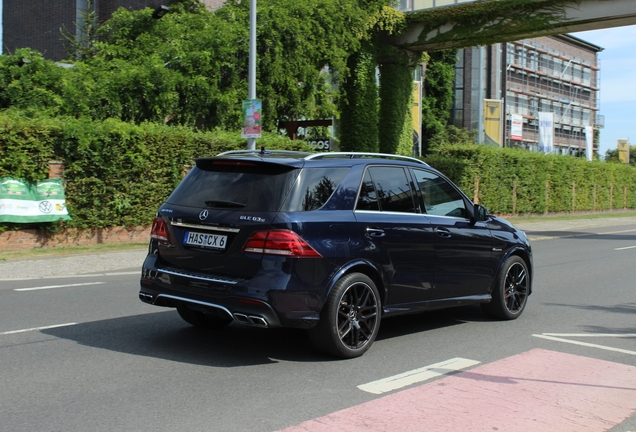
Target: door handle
{"type": "Point", "coordinates": [375, 232]}
{"type": "Point", "coordinates": [443, 232]}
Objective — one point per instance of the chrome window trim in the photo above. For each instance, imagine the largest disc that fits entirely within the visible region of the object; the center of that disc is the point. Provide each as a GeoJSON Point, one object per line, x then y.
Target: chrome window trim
{"type": "Point", "coordinates": [412, 214]}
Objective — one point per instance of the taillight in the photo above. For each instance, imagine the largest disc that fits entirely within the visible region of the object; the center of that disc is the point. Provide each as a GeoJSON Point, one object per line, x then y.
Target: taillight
{"type": "Point", "coordinates": [281, 243]}
{"type": "Point", "coordinates": [159, 230]}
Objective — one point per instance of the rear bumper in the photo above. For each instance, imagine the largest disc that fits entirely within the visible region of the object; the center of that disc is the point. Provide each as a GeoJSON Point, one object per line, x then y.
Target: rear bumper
{"type": "Point", "coordinates": [259, 302]}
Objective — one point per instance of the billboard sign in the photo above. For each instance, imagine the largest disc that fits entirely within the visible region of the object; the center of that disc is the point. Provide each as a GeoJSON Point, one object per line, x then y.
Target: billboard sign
{"type": "Point", "coordinates": [623, 150]}
{"type": "Point", "coordinates": [492, 121]}
{"type": "Point", "coordinates": [516, 127]}
{"type": "Point", "coordinates": [546, 132]}
{"type": "Point", "coordinates": [589, 142]}
{"type": "Point", "coordinates": [416, 115]}
{"type": "Point", "coordinates": [252, 118]}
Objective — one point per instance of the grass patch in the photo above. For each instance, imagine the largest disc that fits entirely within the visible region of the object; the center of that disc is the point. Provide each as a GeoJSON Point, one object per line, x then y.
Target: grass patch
{"type": "Point", "coordinates": [70, 250]}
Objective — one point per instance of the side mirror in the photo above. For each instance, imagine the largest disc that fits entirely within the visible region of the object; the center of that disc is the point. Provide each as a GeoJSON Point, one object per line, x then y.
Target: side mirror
{"type": "Point", "coordinates": [480, 213]}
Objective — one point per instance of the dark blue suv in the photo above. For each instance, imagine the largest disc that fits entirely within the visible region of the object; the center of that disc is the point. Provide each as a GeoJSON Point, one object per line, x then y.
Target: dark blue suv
{"type": "Point", "coordinates": [328, 242]}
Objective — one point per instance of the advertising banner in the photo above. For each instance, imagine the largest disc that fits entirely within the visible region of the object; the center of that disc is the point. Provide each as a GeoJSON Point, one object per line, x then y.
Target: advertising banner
{"type": "Point", "coordinates": [546, 132]}
{"type": "Point", "coordinates": [516, 127]}
{"type": "Point", "coordinates": [416, 115]}
{"type": "Point", "coordinates": [23, 202]}
{"type": "Point", "coordinates": [252, 120]}
{"type": "Point", "coordinates": [589, 142]}
{"type": "Point", "coordinates": [492, 121]}
{"type": "Point", "coordinates": [623, 150]}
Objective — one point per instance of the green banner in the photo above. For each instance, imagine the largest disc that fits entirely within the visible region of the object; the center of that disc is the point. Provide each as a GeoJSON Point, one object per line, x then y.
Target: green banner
{"type": "Point", "coordinates": [23, 202]}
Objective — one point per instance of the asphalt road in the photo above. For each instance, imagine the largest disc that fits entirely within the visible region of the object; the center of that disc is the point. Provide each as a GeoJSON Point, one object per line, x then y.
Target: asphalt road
{"type": "Point", "coordinates": [83, 353]}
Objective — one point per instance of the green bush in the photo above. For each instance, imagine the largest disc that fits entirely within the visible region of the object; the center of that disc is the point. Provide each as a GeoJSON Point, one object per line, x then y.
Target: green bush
{"type": "Point", "coordinates": [516, 181]}
{"type": "Point", "coordinates": [116, 173]}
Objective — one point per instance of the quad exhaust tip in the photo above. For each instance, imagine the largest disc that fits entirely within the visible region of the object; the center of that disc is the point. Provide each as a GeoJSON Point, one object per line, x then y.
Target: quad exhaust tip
{"type": "Point", "coordinates": [145, 297]}
{"type": "Point", "coordinates": [252, 320]}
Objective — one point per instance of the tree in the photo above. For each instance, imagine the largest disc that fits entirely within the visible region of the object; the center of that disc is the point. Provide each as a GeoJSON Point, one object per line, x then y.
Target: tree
{"type": "Point", "coordinates": [611, 155]}
{"type": "Point", "coordinates": [437, 101]}
{"type": "Point", "coordinates": [316, 60]}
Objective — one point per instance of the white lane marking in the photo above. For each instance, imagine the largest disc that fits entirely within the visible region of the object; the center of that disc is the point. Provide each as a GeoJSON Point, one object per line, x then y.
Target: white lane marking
{"type": "Point", "coordinates": [58, 286]}
{"type": "Point", "coordinates": [417, 375]}
{"type": "Point", "coordinates": [625, 248]}
{"type": "Point", "coordinates": [138, 272]}
{"type": "Point", "coordinates": [615, 335]}
{"type": "Point", "coordinates": [585, 344]}
{"type": "Point", "coordinates": [37, 328]}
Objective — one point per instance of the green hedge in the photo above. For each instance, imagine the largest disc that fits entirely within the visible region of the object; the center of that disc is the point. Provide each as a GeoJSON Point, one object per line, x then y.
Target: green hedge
{"type": "Point", "coordinates": [116, 173]}
{"type": "Point", "coordinates": [511, 181]}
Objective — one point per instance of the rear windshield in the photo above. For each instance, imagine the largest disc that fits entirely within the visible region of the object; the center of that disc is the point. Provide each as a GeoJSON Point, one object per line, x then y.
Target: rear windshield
{"type": "Point", "coordinates": [260, 189]}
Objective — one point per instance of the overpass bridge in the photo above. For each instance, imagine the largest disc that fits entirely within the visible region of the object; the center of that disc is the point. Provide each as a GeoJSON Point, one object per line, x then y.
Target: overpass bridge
{"type": "Point", "coordinates": [440, 24]}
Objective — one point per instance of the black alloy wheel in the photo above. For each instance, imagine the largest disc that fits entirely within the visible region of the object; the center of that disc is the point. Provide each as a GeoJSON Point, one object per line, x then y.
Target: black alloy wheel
{"type": "Point", "coordinates": [350, 319]}
{"type": "Point", "coordinates": [510, 296]}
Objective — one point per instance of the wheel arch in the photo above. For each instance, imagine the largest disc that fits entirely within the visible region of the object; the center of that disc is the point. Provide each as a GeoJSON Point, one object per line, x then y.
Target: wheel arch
{"type": "Point", "coordinates": [525, 256]}
{"type": "Point", "coordinates": [359, 266]}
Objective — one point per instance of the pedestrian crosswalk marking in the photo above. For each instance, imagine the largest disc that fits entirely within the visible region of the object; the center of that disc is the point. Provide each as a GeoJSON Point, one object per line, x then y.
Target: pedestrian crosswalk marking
{"type": "Point", "coordinates": [417, 375]}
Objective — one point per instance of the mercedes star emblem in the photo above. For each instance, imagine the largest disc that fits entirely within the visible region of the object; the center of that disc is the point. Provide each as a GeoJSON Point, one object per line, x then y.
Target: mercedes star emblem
{"type": "Point", "coordinates": [203, 215]}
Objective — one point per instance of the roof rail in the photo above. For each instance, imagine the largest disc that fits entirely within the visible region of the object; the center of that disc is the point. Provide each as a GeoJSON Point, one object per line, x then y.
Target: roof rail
{"type": "Point", "coordinates": [263, 152]}
{"type": "Point", "coordinates": [357, 155]}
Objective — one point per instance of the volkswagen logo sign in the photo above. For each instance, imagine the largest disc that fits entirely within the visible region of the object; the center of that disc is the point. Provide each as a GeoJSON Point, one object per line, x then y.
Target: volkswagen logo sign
{"type": "Point", "coordinates": [45, 207]}
{"type": "Point", "coordinates": [203, 215]}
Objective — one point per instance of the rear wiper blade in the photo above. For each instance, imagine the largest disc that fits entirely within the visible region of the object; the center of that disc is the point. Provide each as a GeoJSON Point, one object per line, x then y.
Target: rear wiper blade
{"type": "Point", "coordinates": [224, 204]}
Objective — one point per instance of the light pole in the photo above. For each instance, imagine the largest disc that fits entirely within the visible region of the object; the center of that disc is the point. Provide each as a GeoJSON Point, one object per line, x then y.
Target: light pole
{"type": "Point", "coordinates": [251, 142]}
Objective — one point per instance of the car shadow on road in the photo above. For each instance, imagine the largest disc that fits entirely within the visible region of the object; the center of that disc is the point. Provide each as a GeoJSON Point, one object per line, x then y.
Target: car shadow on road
{"type": "Point", "coordinates": [582, 235]}
{"type": "Point", "coordinates": [622, 308]}
{"type": "Point", "coordinates": [165, 336]}
{"type": "Point", "coordinates": [426, 321]}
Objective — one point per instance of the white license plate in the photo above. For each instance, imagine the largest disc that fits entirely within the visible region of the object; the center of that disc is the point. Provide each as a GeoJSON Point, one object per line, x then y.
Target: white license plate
{"type": "Point", "coordinates": [214, 241]}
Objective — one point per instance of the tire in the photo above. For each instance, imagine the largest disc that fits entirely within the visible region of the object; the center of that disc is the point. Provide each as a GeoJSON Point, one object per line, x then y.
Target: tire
{"type": "Point", "coordinates": [350, 319]}
{"type": "Point", "coordinates": [202, 319]}
{"type": "Point", "coordinates": [510, 295]}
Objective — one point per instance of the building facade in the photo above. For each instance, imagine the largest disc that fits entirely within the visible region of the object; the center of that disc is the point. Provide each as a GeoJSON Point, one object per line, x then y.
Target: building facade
{"type": "Point", "coordinates": [552, 74]}
{"type": "Point", "coordinates": [38, 24]}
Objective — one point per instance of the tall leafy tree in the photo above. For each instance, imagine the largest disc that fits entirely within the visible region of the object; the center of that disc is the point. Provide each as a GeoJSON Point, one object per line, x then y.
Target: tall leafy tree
{"type": "Point", "coordinates": [611, 155]}
{"type": "Point", "coordinates": [437, 102]}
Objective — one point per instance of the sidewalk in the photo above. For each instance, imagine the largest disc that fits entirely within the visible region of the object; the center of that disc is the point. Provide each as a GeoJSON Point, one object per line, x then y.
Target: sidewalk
{"type": "Point", "coordinates": [131, 260]}
{"type": "Point", "coordinates": [73, 265]}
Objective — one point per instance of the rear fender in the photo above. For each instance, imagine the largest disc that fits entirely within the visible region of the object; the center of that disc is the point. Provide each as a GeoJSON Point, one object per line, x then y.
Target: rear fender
{"type": "Point", "coordinates": [358, 266]}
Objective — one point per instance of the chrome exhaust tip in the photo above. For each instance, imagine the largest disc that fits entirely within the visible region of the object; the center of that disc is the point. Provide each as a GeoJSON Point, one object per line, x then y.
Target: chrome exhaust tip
{"type": "Point", "coordinates": [252, 320]}
{"type": "Point", "coordinates": [146, 298]}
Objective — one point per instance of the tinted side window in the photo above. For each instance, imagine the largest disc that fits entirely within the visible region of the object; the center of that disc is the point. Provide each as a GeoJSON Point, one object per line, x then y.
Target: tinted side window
{"type": "Point", "coordinates": [392, 189]}
{"type": "Point", "coordinates": [440, 197]}
{"type": "Point", "coordinates": [368, 199]}
{"type": "Point", "coordinates": [313, 188]}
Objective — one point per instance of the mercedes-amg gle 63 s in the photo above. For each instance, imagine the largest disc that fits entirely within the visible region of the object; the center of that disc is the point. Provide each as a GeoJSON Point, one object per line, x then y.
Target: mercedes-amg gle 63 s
{"type": "Point", "coordinates": [328, 242]}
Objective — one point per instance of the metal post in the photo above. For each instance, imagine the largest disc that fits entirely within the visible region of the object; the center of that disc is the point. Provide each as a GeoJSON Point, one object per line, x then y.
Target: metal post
{"type": "Point", "coordinates": [251, 142]}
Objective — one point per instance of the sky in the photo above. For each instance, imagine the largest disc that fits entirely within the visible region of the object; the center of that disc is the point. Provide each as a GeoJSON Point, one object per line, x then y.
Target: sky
{"type": "Point", "coordinates": [618, 83]}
